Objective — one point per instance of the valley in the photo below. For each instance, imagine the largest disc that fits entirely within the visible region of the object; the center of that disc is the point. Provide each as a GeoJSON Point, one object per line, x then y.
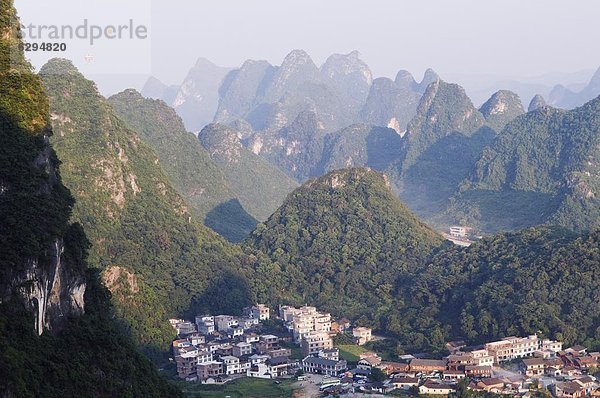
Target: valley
{"type": "Point", "coordinates": [294, 229]}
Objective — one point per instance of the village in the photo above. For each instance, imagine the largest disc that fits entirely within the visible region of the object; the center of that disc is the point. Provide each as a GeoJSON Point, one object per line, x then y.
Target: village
{"type": "Point", "coordinates": [221, 348]}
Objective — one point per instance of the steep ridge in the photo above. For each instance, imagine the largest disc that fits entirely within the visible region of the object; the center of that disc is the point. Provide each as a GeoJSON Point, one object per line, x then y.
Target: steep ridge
{"type": "Point", "coordinates": [350, 76]}
{"type": "Point", "coordinates": [195, 176]}
{"type": "Point", "coordinates": [41, 265]}
{"type": "Point", "coordinates": [340, 242]}
{"type": "Point", "coordinates": [132, 215]}
{"type": "Point", "coordinates": [393, 103]}
{"type": "Point", "coordinates": [296, 148]}
{"type": "Point", "coordinates": [562, 97]}
{"type": "Point", "coordinates": [502, 107]}
{"type": "Point", "coordinates": [443, 142]}
{"type": "Point", "coordinates": [536, 103]}
{"type": "Point", "coordinates": [260, 186]}
{"type": "Point", "coordinates": [198, 96]}
{"type": "Point", "coordinates": [240, 89]}
{"type": "Point", "coordinates": [155, 89]}
{"type": "Point", "coordinates": [45, 285]}
{"type": "Point", "coordinates": [361, 145]}
{"type": "Point", "coordinates": [543, 168]}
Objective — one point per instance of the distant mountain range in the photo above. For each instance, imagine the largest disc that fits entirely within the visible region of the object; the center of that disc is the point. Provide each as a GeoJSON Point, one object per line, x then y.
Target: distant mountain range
{"type": "Point", "coordinates": [563, 97]}
{"type": "Point", "coordinates": [305, 120]}
{"type": "Point", "coordinates": [114, 213]}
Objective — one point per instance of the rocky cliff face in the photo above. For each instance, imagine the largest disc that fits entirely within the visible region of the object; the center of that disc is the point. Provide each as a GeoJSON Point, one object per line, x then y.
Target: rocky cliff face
{"type": "Point", "coordinates": [536, 103]}
{"type": "Point", "coordinates": [40, 266]}
{"type": "Point", "coordinates": [52, 290]}
{"type": "Point", "coordinates": [501, 108]}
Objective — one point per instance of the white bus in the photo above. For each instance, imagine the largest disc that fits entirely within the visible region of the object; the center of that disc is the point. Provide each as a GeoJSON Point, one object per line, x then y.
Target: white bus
{"type": "Point", "coordinates": [329, 383]}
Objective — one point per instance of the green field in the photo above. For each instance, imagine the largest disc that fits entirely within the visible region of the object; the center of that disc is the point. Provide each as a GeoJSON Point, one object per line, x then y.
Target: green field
{"type": "Point", "coordinates": [350, 352]}
{"type": "Point", "coordinates": [241, 388]}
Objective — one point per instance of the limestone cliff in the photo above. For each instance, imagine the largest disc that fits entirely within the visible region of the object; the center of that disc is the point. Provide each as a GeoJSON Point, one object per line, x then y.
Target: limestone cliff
{"type": "Point", "coordinates": [42, 263]}
{"type": "Point", "coordinates": [51, 290]}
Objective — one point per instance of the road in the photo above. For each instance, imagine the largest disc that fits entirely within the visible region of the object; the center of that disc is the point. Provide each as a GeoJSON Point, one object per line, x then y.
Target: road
{"type": "Point", "coordinates": [310, 389]}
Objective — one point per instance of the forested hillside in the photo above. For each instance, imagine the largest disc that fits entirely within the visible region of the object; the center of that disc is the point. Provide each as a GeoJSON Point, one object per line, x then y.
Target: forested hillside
{"type": "Point", "coordinates": [260, 186]}
{"type": "Point", "coordinates": [340, 242]}
{"type": "Point", "coordinates": [343, 242]}
{"type": "Point", "coordinates": [542, 168]}
{"type": "Point", "coordinates": [58, 337]}
{"type": "Point", "coordinates": [156, 259]}
{"type": "Point", "coordinates": [191, 171]}
{"type": "Point", "coordinates": [536, 280]}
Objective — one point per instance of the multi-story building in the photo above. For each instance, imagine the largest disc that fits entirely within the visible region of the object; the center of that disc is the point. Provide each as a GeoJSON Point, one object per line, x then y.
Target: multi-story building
{"type": "Point", "coordinates": [432, 388]}
{"type": "Point", "coordinates": [286, 312]}
{"type": "Point", "coordinates": [235, 331]}
{"type": "Point", "coordinates": [242, 348]}
{"type": "Point", "coordinates": [258, 358]}
{"type": "Point", "coordinates": [247, 323]}
{"type": "Point", "coordinates": [551, 345]}
{"type": "Point", "coordinates": [196, 338]}
{"type": "Point", "coordinates": [267, 343]}
{"type": "Point", "coordinates": [224, 349]}
{"type": "Point", "coordinates": [368, 360]}
{"type": "Point", "coordinates": [279, 352]}
{"type": "Point", "coordinates": [303, 320]}
{"type": "Point", "coordinates": [322, 322]}
{"type": "Point", "coordinates": [478, 371]}
{"type": "Point", "coordinates": [427, 365]}
{"type": "Point", "coordinates": [206, 327]}
{"type": "Point", "coordinates": [323, 366]}
{"type": "Point", "coordinates": [251, 338]}
{"type": "Point", "coordinates": [184, 328]}
{"type": "Point", "coordinates": [186, 362]}
{"type": "Point", "coordinates": [224, 322]}
{"type": "Point", "coordinates": [313, 342]}
{"type": "Point", "coordinates": [479, 357]}
{"type": "Point", "coordinates": [209, 369]}
{"type": "Point", "coordinates": [510, 348]}
{"type": "Point", "coordinates": [205, 324]}
{"type": "Point", "coordinates": [186, 366]}
{"type": "Point", "coordinates": [258, 311]}
{"type": "Point", "coordinates": [231, 364]}
{"type": "Point", "coordinates": [278, 366]}
{"type": "Point", "coordinates": [361, 335]}
{"type": "Point", "coordinates": [204, 356]}
{"type": "Point", "coordinates": [302, 324]}
{"type": "Point", "coordinates": [330, 353]}
{"type": "Point", "coordinates": [534, 366]}
{"type": "Point", "coordinates": [459, 232]}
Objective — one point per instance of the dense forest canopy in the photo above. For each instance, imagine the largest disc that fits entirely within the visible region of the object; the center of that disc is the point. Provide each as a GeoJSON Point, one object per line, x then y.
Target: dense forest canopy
{"type": "Point", "coordinates": [345, 243]}
{"type": "Point", "coordinates": [89, 354]}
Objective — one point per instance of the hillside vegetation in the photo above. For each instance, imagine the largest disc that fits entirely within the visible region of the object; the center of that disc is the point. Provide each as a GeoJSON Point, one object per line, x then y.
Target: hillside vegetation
{"type": "Point", "coordinates": [77, 354]}
{"type": "Point", "coordinates": [133, 216]}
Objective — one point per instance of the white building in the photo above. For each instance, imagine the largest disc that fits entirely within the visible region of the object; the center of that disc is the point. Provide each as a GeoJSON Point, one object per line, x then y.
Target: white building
{"type": "Point", "coordinates": [303, 320]}
{"type": "Point", "coordinates": [510, 348]}
{"type": "Point", "coordinates": [362, 335]}
{"type": "Point", "coordinates": [258, 311]}
{"type": "Point", "coordinates": [459, 232]}
{"type": "Point", "coordinates": [313, 342]}
{"type": "Point", "coordinates": [231, 364]}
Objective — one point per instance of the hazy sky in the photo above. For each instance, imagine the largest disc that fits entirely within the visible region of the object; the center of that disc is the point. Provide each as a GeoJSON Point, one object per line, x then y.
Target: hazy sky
{"type": "Point", "coordinates": [503, 38]}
